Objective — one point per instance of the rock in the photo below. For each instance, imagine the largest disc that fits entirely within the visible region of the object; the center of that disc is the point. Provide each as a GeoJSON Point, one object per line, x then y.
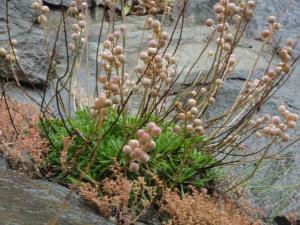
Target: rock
{"type": "Point", "coordinates": [66, 3]}
{"type": "Point", "coordinates": [25, 201]}
{"type": "Point", "coordinates": [282, 220]}
{"type": "Point", "coordinates": [31, 43]}
{"type": "Point", "coordinates": [3, 163]}
{"type": "Point", "coordinates": [290, 18]}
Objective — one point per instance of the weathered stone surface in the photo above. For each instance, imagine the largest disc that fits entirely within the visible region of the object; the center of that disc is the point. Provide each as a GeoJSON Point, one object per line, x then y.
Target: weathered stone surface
{"type": "Point", "coordinates": [3, 163]}
{"type": "Point", "coordinates": [66, 3]}
{"type": "Point", "coordinates": [31, 42]}
{"type": "Point", "coordinates": [25, 201]}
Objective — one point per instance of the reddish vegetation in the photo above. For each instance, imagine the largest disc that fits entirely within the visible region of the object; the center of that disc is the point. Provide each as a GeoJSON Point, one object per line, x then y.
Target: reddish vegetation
{"type": "Point", "coordinates": [19, 136]}
{"type": "Point", "coordinates": [199, 208]}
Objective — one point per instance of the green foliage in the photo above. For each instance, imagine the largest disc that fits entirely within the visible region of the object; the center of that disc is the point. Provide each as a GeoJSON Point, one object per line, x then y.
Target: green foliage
{"type": "Point", "coordinates": [177, 159]}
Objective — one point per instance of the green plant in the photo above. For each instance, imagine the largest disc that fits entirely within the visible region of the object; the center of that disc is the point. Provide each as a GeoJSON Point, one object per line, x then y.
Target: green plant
{"type": "Point", "coordinates": [176, 159]}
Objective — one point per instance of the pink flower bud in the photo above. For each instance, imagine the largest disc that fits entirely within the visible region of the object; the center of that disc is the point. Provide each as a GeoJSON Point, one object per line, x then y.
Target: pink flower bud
{"type": "Point", "coordinates": [127, 149]}
{"type": "Point", "coordinates": [134, 167]}
{"type": "Point", "coordinates": [140, 133]}
{"type": "Point", "coordinates": [156, 131]}
{"type": "Point", "coordinates": [145, 158]}
{"type": "Point", "coordinates": [134, 143]}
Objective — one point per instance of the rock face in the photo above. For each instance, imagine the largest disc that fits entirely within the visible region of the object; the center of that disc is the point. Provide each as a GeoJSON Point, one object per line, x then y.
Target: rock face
{"type": "Point", "coordinates": [24, 201]}
{"type": "Point", "coordinates": [3, 163]}
{"type": "Point", "coordinates": [57, 3]}
{"type": "Point", "coordinates": [289, 19]}
{"type": "Point", "coordinates": [31, 43]}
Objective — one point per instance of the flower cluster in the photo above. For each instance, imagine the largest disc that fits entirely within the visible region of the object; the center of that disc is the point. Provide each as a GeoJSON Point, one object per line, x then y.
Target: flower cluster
{"type": "Point", "coordinates": [223, 10]}
{"type": "Point", "coordinates": [41, 10]}
{"type": "Point", "coordinates": [113, 56]}
{"type": "Point", "coordinates": [188, 115]}
{"type": "Point", "coordinates": [78, 28]}
{"type": "Point", "coordinates": [9, 56]}
{"type": "Point", "coordinates": [76, 6]}
{"type": "Point", "coordinates": [138, 149]}
{"type": "Point", "coordinates": [278, 127]}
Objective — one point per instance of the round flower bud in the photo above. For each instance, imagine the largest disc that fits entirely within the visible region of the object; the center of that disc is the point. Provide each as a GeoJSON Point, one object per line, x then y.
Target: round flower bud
{"type": "Point", "coordinates": [127, 149]}
{"type": "Point", "coordinates": [277, 26]}
{"type": "Point", "coordinates": [164, 35]}
{"type": "Point", "coordinates": [134, 143]}
{"type": "Point", "coordinates": [35, 5]}
{"type": "Point", "coordinates": [285, 137]}
{"type": "Point", "coordinates": [71, 46]}
{"type": "Point", "coordinates": [152, 43]}
{"type": "Point", "coordinates": [293, 117]}
{"type": "Point", "coordinates": [212, 100]}
{"type": "Point", "coordinates": [251, 4]}
{"type": "Point", "coordinates": [286, 68]}
{"type": "Point", "coordinates": [75, 36]}
{"type": "Point", "coordinates": [151, 126]}
{"type": "Point", "coordinates": [81, 24]}
{"type": "Point", "coordinates": [219, 82]}
{"type": "Point", "coordinates": [189, 128]}
{"type": "Point", "coordinates": [103, 79]}
{"type": "Point", "coordinates": [118, 50]}
{"type": "Point", "coordinates": [123, 28]}
{"type": "Point", "coordinates": [42, 19]}
{"type": "Point", "coordinates": [199, 130]}
{"type": "Point", "coordinates": [265, 34]}
{"type": "Point", "coordinates": [194, 110]}
{"type": "Point", "coordinates": [197, 122]}
{"type": "Point", "coordinates": [75, 27]}
{"type": "Point", "coordinates": [122, 58]}
{"type": "Point", "coordinates": [203, 90]}
{"type": "Point", "coordinates": [290, 42]}
{"type": "Point", "coordinates": [134, 167]}
{"type": "Point", "coordinates": [146, 82]}
{"type": "Point", "coordinates": [150, 20]}
{"type": "Point", "coordinates": [149, 146]}
{"type": "Point", "coordinates": [144, 158]}
{"type": "Point", "coordinates": [140, 133]}
{"type": "Point", "coordinates": [116, 34]}
{"type": "Point", "coordinates": [152, 51]}
{"type": "Point", "coordinates": [84, 5]}
{"type": "Point", "coordinates": [291, 124]}
{"type": "Point", "coordinates": [3, 52]}
{"type": "Point", "coordinates": [276, 120]}
{"type": "Point", "coordinates": [191, 102]}
{"type": "Point", "coordinates": [218, 8]}
{"type": "Point", "coordinates": [156, 132]}
{"type": "Point", "coordinates": [110, 37]}
{"type": "Point", "coordinates": [143, 56]}
{"type": "Point", "coordinates": [45, 9]}
{"type": "Point", "coordinates": [81, 16]}
{"type": "Point", "coordinates": [73, 4]}
{"type": "Point", "coordinates": [281, 109]}
{"type": "Point", "coordinates": [209, 22]}
{"type": "Point", "coordinates": [153, 93]}
{"type": "Point", "coordinates": [272, 19]}
{"type": "Point", "coordinates": [155, 24]}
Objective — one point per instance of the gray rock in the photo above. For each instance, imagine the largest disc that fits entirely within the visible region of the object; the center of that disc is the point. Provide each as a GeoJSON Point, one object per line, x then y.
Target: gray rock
{"type": "Point", "coordinates": [57, 3]}
{"type": "Point", "coordinates": [25, 201]}
{"type": "Point", "coordinates": [3, 163]}
{"type": "Point", "coordinates": [290, 18]}
{"type": "Point", "coordinates": [31, 43]}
